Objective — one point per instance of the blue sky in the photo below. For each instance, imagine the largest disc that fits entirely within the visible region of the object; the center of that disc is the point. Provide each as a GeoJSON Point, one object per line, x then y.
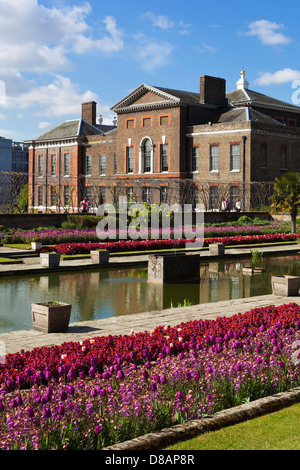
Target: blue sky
{"type": "Point", "coordinates": [56, 54]}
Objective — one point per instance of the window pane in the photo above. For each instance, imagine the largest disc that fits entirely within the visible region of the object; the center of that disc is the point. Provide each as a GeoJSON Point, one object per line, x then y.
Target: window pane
{"type": "Point", "coordinates": [102, 195]}
{"type": "Point", "coordinates": [234, 157]}
{"type": "Point", "coordinates": [40, 195]}
{"type": "Point", "coordinates": [234, 194]}
{"type": "Point", "coordinates": [146, 194]}
{"type": "Point", "coordinates": [213, 197]}
{"type": "Point", "coordinates": [147, 156]}
{"type": "Point", "coordinates": [66, 164]}
{"type": "Point", "coordinates": [129, 151]}
{"type": "Point", "coordinates": [195, 159]}
{"type": "Point", "coordinates": [214, 158]}
{"type": "Point", "coordinates": [129, 194]}
{"type": "Point", "coordinates": [53, 165]}
{"type": "Point", "coordinates": [66, 195]}
{"type": "Point", "coordinates": [53, 196]}
{"type": "Point", "coordinates": [40, 165]}
{"type": "Point", "coordinates": [164, 194]}
{"type": "Point", "coordinates": [164, 157]}
{"type": "Point", "coordinates": [88, 165]}
{"type": "Point", "coordinates": [102, 164]}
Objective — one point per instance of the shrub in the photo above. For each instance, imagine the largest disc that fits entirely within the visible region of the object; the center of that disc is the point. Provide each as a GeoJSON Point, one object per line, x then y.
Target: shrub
{"type": "Point", "coordinates": [245, 220]}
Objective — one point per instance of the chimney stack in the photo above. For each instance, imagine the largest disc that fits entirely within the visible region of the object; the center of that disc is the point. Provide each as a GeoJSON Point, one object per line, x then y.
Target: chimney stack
{"type": "Point", "coordinates": [212, 90]}
{"type": "Point", "coordinates": [88, 112]}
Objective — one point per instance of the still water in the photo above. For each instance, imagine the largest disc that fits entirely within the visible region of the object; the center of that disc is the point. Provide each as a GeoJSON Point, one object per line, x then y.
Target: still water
{"type": "Point", "coordinates": [112, 292]}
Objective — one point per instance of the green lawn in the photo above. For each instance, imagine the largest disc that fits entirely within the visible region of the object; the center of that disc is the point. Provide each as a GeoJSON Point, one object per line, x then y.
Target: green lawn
{"type": "Point", "coordinates": [274, 431]}
{"type": "Point", "coordinates": [9, 261]}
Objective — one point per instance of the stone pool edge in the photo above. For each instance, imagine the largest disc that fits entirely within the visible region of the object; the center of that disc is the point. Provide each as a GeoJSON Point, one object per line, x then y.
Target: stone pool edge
{"type": "Point", "coordinates": [161, 439]}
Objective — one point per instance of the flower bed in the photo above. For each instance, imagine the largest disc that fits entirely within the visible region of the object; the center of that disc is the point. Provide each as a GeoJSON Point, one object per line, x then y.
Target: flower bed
{"type": "Point", "coordinates": [57, 236]}
{"type": "Point", "coordinates": [201, 367]}
{"type": "Point", "coordinates": [145, 245]}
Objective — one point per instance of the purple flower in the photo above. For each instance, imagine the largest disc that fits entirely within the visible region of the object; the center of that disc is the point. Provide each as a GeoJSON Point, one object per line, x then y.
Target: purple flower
{"type": "Point", "coordinates": [46, 412]}
{"type": "Point", "coordinates": [120, 374]}
{"type": "Point", "coordinates": [179, 395]}
{"type": "Point", "coordinates": [30, 412]}
{"type": "Point", "coordinates": [163, 379]}
{"type": "Point", "coordinates": [71, 375]}
{"type": "Point", "coordinates": [60, 410]}
{"type": "Point", "coordinates": [94, 393]}
{"type": "Point", "coordinates": [48, 375]}
{"type": "Point", "coordinates": [98, 428]}
{"type": "Point", "coordinates": [63, 395]}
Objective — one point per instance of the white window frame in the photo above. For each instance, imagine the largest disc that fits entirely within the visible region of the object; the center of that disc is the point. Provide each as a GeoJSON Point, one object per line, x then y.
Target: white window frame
{"type": "Point", "coordinates": [102, 164]}
{"type": "Point", "coordinates": [212, 163]}
{"type": "Point", "coordinates": [235, 158]}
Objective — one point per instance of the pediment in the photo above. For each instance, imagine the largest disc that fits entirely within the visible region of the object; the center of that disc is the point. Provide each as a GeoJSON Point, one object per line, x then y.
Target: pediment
{"type": "Point", "coordinates": [143, 97]}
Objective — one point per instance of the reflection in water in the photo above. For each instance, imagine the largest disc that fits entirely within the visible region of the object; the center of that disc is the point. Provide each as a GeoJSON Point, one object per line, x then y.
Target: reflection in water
{"type": "Point", "coordinates": [112, 292]}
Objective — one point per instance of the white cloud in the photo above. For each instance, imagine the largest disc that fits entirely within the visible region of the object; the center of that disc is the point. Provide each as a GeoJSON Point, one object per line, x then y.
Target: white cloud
{"type": "Point", "coordinates": [152, 54]}
{"type": "Point", "coordinates": [59, 98]}
{"type": "Point", "coordinates": [44, 125]}
{"type": "Point", "coordinates": [185, 28]}
{"type": "Point", "coordinates": [267, 32]}
{"type": "Point", "coordinates": [111, 42]}
{"type": "Point", "coordinates": [277, 78]}
{"type": "Point", "coordinates": [160, 21]}
{"type": "Point", "coordinates": [35, 38]}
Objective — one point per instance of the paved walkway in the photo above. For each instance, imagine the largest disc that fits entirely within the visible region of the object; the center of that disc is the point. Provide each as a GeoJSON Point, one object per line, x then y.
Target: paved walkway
{"type": "Point", "coordinates": [29, 339]}
{"type": "Point", "coordinates": [138, 322]}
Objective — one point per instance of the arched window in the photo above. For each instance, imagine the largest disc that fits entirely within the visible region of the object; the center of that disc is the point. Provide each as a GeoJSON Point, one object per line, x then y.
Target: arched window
{"type": "Point", "coordinates": [146, 156]}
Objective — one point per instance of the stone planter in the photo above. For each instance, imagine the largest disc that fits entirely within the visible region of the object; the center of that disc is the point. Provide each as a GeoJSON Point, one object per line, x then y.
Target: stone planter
{"type": "Point", "coordinates": [252, 270]}
{"type": "Point", "coordinates": [36, 246]}
{"type": "Point", "coordinates": [50, 259]}
{"type": "Point", "coordinates": [51, 318]}
{"type": "Point", "coordinates": [100, 256]}
{"type": "Point", "coordinates": [173, 268]}
{"type": "Point", "coordinates": [217, 249]}
{"type": "Point", "coordinates": [285, 285]}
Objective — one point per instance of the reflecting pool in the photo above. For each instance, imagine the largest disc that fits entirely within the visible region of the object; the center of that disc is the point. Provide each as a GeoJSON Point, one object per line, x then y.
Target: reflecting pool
{"type": "Point", "coordinates": [112, 292]}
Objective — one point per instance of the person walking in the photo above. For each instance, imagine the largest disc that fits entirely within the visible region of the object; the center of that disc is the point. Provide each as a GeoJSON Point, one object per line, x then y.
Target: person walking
{"type": "Point", "coordinates": [85, 205]}
{"type": "Point", "coordinates": [223, 205]}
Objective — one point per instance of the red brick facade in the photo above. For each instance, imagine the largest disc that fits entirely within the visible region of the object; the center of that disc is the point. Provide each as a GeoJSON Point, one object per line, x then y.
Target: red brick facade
{"type": "Point", "coordinates": [167, 147]}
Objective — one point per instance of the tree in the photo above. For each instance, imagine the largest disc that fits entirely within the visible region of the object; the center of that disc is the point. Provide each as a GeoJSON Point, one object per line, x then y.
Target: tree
{"type": "Point", "coordinates": [287, 196]}
{"type": "Point", "coordinates": [22, 203]}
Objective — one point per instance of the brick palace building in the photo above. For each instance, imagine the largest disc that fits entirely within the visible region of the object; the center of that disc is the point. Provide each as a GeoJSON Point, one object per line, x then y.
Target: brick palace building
{"type": "Point", "coordinates": [169, 146]}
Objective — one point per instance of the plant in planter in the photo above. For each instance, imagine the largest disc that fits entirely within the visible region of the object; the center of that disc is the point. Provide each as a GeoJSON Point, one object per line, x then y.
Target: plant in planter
{"type": "Point", "coordinates": [50, 259]}
{"type": "Point", "coordinates": [285, 285]}
{"type": "Point", "coordinates": [36, 243]}
{"type": "Point", "coordinates": [51, 317]}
